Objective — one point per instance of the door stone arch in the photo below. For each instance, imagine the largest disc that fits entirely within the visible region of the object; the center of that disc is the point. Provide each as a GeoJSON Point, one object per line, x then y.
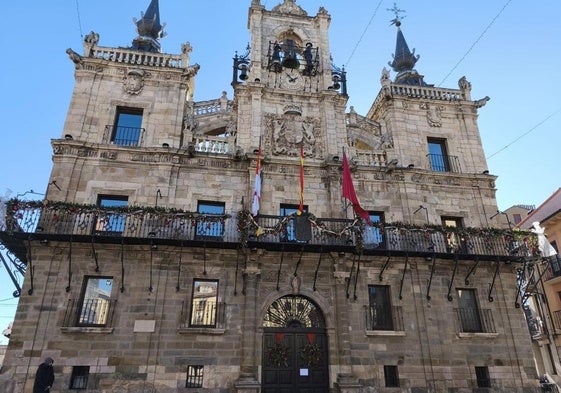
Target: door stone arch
{"type": "Point", "coordinates": [295, 353]}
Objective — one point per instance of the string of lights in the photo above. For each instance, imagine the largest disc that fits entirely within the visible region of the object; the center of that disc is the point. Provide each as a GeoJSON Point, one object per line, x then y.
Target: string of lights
{"type": "Point", "coordinates": [475, 43]}
{"type": "Point", "coordinates": [363, 33]}
{"type": "Point", "coordinates": [79, 19]}
{"type": "Point", "coordinates": [526, 133]}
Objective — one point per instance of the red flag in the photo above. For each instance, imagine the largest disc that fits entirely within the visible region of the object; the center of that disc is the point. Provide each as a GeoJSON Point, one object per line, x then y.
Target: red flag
{"type": "Point", "coordinates": [257, 191]}
{"type": "Point", "coordinates": [301, 206]}
{"type": "Point", "coordinates": [349, 191]}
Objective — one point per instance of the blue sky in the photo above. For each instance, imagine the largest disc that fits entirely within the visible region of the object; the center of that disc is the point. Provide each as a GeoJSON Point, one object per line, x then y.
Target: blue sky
{"type": "Point", "coordinates": [516, 63]}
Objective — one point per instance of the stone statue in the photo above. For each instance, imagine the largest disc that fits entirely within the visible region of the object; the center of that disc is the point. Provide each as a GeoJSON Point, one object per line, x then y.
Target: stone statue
{"type": "Point", "coordinates": [544, 246]}
{"type": "Point", "coordinates": [76, 58]}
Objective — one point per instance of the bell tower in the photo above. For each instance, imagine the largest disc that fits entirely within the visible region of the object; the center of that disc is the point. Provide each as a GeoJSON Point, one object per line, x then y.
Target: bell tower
{"type": "Point", "coordinates": [288, 93]}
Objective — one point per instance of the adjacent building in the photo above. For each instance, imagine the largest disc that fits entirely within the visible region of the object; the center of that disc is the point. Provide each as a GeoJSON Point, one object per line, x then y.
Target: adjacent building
{"type": "Point", "coordinates": [277, 241]}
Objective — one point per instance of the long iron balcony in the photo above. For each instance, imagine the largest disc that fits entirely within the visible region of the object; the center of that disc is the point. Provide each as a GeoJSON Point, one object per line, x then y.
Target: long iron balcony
{"type": "Point", "coordinates": [69, 222]}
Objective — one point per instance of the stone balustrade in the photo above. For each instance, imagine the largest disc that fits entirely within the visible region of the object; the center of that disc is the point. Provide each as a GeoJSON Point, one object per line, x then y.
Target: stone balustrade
{"type": "Point", "coordinates": [432, 93]}
{"type": "Point", "coordinates": [132, 57]}
{"type": "Point", "coordinates": [213, 144]}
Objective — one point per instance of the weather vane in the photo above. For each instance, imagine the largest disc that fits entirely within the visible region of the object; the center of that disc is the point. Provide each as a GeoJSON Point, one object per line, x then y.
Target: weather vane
{"type": "Point", "coordinates": [397, 20]}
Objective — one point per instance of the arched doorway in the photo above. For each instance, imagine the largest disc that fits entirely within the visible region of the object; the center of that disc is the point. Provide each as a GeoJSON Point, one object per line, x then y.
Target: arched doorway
{"type": "Point", "coordinates": [294, 347]}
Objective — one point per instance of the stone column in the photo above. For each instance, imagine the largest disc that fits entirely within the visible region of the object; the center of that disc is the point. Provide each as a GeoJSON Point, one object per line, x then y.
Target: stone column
{"type": "Point", "coordinates": [346, 381]}
{"type": "Point", "coordinates": [248, 383]}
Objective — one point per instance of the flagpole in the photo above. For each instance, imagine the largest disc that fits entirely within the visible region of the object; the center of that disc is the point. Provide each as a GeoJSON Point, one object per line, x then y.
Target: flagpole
{"type": "Point", "coordinates": [301, 204]}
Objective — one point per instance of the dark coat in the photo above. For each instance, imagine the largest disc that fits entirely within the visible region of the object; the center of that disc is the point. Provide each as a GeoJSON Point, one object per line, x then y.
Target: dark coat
{"type": "Point", "coordinates": [44, 378]}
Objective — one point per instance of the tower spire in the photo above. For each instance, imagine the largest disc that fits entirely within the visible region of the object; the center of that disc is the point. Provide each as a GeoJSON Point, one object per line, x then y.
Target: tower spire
{"type": "Point", "coordinates": [404, 60]}
{"type": "Point", "coordinates": [149, 29]}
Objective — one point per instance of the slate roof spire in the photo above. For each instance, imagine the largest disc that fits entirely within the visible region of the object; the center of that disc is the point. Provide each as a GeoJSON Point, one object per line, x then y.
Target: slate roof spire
{"type": "Point", "coordinates": [404, 60]}
{"type": "Point", "coordinates": [149, 29]}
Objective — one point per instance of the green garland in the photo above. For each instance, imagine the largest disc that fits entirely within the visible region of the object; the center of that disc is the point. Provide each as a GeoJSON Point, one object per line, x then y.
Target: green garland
{"type": "Point", "coordinates": [278, 356]}
{"type": "Point", "coordinates": [311, 354]}
{"type": "Point", "coordinates": [14, 205]}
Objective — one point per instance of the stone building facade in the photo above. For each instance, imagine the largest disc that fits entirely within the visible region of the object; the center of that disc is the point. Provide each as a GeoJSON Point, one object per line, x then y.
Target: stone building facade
{"type": "Point", "coordinates": [147, 271]}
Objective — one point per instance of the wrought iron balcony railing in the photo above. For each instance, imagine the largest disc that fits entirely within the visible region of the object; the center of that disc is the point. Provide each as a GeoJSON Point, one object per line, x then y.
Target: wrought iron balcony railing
{"type": "Point", "coordinates": [150, 224]}
{"type": "Point", "coordinates": [95, 312]}
{"type": "Point", "coordinates": [444, 163]}
{"type": "Point", "coordinates": [384, 318]}
{"type": "Point", "coordinates": [123, 136]}
{"type": "Point", "coordinates": [474, 320]}
{"type": "Point", "coordinates": [210, 316]}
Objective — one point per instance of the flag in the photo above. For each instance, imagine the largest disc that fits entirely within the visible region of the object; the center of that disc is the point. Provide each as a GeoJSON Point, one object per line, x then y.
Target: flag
{"type": "Point", "coordinates": [257, 190]}
{"type": "Point", "coordinates": [301, 205]}
{"type": "Point", "coordinates": [349, 191]}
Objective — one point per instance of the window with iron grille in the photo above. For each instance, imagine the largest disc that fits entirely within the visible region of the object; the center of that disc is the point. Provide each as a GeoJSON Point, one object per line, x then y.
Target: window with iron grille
{"type": "Point", "coordinates": [111, 223]}
{"type": "Point", "coordinates": [204, 303]}
{"type": "Point", "coordinates": [127, 128]}
{"type": "Point", "coordinates": [391, 376]}
{"type": "Point", "coordinates": [194, 376]}
{"type": "Point", "coordinates": [95, 302]}
{"type": "Point", "coordinates": [379, 308]}
{"type": "Point", "coordinates": [373, 236]}
{"type": "Point", "coordinates": [286, 209]}
{"type": "Point", "coordinates": [79, 377]}
{"type": "Point", "coordinates": [469, 315]}
{"type": "Point", "coordinates": [482, 375]}
{"type": "Point", "coordinates": [210, 229]}
{"type": "Point", "coordinates": [438, 156]}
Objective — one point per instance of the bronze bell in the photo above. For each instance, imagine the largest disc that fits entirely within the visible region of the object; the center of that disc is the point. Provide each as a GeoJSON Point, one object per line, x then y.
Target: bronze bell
{"type": "Point", "coordinates": [290, 60]}
{"type": "Point", "coordinates": [243, 71]}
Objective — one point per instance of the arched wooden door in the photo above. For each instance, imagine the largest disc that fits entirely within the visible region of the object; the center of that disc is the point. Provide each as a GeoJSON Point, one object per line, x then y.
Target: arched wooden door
{"type": "Point", "coordinates": [295, 356]}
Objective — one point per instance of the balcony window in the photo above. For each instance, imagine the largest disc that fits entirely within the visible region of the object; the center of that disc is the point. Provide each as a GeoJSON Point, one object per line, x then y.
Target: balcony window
{"type": "Point", "coordinates": [286, 210]}
{"type": "Point", "coordinates": [482, 376]}
{"type": "Point", "coordinates": [379, 308]}
{"type": "Point", "coordinates": [391, 377]}
{"type": "Point", "coordinates": [79, 377]}
{"type": "Point", "coordinates": [372, 236]}
{"type": "Point", "coordinates": [204, 303]}
{"type": "Point", "coordinates": [127, 128]}
{"type": "Point", "coordinates": [455, 242]}
{"type": "Point", "coordinates": [111, 223]}
{"type": "Point", "coordinates": [470, 319]}
{"type": "Point", "coordinates": [95, 302]}
{"type": "Point", "coordinates": [207, 230]}
{"type": "Point", "coordinates": [194, 376]}
{"type": "Point", "coordinates": [438, 157]}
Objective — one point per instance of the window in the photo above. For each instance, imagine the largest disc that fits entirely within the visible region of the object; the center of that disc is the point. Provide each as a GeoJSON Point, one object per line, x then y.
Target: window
{"type": "Point", "coordinates": [517, 218]}
{"type": "Point", "coordinates": [380, 309]}
{"type": "Point", "coordinates": [95, 301]}
{"type": "Point", "coordinates": [194, 377]}
{"type": "Point", "coordinates": [204, 303]}
{"type": "Point", "coordinates": [438, 157]}
{"type": "Point", "coordinates": [470, 320]}
{"type": "Point", "coordinates": [127, 128]}
{"type": "Point", "coordinates": [111, 223]}
{"type": "Point", "coordinates": [287, 209]}
{"type": "Point", "coordinates": [555, 260]}
{"type": "Point", "coordinates": [373, 235]}
{"type": "Point", "coordinates": [455, 242]}
{"type": "Point", "coordinates": [211, 229]}
{"type": "Point", "coordinates": [391, 376]}
{"type": "Point", "coordinates": [482, 375]}
{"type": "Point", "coordinates": [79, 377]}
{"type": "Point", "coordinates": [454, 222]}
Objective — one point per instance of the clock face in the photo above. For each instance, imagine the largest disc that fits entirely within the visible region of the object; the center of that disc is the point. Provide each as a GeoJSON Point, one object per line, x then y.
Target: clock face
{"type": "Point", "coordinates": [292, 79]}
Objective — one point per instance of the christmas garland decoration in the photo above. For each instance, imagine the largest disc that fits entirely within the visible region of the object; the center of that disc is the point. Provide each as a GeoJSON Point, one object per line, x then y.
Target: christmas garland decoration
{"type": "Point", "coordinates": [15, 205]}
{"type": "Point", "coordinates": [278, 356]}
{"type": "Point", "coordinates": [311, 354]}
{"type": "Point", "coordinates": [247, 223]}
